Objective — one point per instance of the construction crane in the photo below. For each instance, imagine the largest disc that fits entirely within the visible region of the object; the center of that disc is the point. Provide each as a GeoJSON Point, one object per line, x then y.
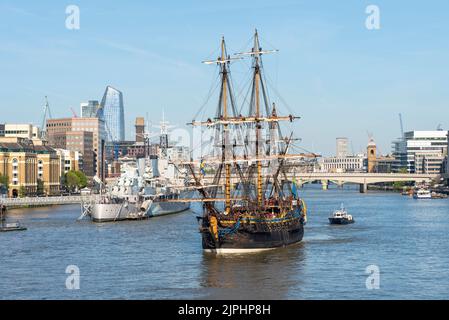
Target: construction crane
{"type": "Point", "coordinates": [74, 113]}
{"type": "Point", "coordinates": [402, 125]}
{"type": "Point", "coordinates": [46, 116]}
{"type": "Point", "coordinates": [114, 142]}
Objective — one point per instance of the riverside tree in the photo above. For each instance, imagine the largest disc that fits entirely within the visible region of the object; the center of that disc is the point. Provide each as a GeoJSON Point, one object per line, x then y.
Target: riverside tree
{"type": "Point", "coordinates": [74, 180]}
{"type": "Point", "coordinates": [4, 180]}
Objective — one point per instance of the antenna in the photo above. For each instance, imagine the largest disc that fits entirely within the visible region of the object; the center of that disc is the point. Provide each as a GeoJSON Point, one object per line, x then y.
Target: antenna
{"type": "Point", "coordinates": [164, 125]}
{"type": "Point", "coordinates": [147, 123]}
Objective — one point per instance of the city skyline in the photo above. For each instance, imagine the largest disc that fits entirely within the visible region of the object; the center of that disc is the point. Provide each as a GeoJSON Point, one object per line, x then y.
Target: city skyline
{"type": "Point", "coordinates": [398, 69]}
{"type": "Point", "coordinates": [202, 152]}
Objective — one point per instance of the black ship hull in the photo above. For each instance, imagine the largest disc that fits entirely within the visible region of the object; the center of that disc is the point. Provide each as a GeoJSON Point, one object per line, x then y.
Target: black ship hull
{"type": "Point", "coordinates": [340, 221]}
{"type": "Point", "coordinates": [11, 229]}
{"type": "Point", "coordinates": [244, 240]}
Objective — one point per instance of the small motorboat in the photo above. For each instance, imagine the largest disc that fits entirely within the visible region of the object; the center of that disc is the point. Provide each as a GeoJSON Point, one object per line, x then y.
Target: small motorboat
{"type": "Point", "coordinates": [436, 195]}
{"type": "Point", "coordinates": [5, 227]}
{"type": "Point", "coordinates": [341, 217]}
{"type": "Point", "coordinates": [422, 194]}
{"type": "Point", "coordinates": [14, 226]}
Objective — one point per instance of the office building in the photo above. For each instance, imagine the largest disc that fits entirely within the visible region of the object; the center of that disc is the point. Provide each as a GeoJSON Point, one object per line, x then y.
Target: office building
{"type": "Point", "coordinates": [384, 164]}
{"type": "Point", "coordinates": [342, 147]}
{"type": "Point", "coordinates": [85, 135]}
{"type": "Point", "coordinates": [420, 151]}
{"type": "Point", "coordinates": [113, 113]}
{"type": "Point", "coordinates": [70, 160]}
{"type": "Point", "coordinates": [83, 142]}
{"type": "Point", "coordinates": [90, 109]}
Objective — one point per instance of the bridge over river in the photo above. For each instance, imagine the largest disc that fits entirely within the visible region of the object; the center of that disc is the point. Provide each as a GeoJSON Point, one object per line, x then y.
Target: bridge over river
{"type": "Point", "coordinates": [363, 179]}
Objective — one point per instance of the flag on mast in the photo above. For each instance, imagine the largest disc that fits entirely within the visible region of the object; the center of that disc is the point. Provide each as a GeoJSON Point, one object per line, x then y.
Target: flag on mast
{"type": "Point", "coordinates": [294, 188]}
{"type": "Point", "coordinates": [202, 167]}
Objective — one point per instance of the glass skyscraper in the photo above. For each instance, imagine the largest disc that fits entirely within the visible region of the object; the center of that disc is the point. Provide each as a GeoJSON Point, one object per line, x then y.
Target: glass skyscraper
{"type": "Point", "coordinates": [113, 113]}
{"type": "Point", "coordinates": [90, 109]}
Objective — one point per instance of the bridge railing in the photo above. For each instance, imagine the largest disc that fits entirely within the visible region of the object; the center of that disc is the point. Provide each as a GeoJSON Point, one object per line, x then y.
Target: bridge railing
{"type": "Point", "coordinates": [30, 201]}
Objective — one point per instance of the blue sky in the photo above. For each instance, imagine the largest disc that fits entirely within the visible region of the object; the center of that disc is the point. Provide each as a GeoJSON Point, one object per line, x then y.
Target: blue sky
{"type": "Point", "coordinates": [342, 79]}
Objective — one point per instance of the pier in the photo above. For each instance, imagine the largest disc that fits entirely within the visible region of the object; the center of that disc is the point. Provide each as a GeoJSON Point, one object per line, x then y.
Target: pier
{"type": "Point", "coordinates": [44, 201]}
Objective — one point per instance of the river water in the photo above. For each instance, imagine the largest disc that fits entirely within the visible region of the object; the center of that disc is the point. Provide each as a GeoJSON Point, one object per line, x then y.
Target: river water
{"type": "Point", "coordinates": [161, 258]}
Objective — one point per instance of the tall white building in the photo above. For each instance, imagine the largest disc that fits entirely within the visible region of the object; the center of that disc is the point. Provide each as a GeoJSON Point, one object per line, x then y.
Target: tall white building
{"type": "Point", "coordinates": [421, 151]}
{"type": "Point", "coordinates": [342, 147]}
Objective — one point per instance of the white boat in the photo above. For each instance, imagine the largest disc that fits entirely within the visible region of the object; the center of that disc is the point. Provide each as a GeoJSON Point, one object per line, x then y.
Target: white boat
{"type": "Point", "coordinates": [11, 226]}
{"type": "Point", "coordinates": [422, 194]}
{"type": "Point", "coordinates": [341, 217]}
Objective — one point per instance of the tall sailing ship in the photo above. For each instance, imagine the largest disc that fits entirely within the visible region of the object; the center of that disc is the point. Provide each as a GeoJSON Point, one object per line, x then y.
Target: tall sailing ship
{"type": "Point", "coordinates": [250, 204]}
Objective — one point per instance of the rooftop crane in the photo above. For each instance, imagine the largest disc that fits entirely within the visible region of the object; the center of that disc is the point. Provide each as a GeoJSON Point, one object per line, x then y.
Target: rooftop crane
{"type": "Point", "coordinates": [114, 142]}
{"type": "Point", "coordinates": [74, 113]}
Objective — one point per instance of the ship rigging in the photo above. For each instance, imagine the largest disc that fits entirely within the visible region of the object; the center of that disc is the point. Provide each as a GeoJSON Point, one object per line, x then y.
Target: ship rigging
{"type": "Point", "coordinates": [258, 208]}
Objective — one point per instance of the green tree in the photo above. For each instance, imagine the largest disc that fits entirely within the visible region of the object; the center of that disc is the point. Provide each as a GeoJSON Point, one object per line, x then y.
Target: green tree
{"type": "Point", "coordinates": [403, 170]}
{"type": "Point", "coordinates": [399, 185]}
{"type": "Point", "coordinates": [71, 180]}
{"type": "Point", "coordinates": [82, 179]}
{"type": "Point", "coordinates": [22, 192]}
{"type": "Point", "coordinates": [74, 180]}
{"type": "Point", "coordinates": [4, 180]}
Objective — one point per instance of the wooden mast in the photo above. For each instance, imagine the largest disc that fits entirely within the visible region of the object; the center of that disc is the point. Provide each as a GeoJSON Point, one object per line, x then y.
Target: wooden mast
{"type": "Point", "coordinates": [257, 49]}
{"type": "Point", "coordinates": [256, 119]}
{"type": "Point", "coordinates": [225, 129]}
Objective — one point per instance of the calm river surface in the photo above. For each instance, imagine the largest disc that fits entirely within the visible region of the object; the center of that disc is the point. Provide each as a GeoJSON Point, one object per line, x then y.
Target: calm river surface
{"type": "Point", "coordinates": [162, 258]}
